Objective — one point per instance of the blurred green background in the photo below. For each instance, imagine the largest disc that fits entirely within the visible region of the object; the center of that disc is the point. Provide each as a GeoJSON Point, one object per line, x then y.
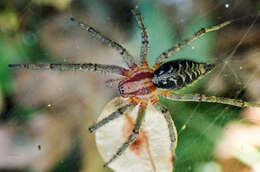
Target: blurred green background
{"type": "Point", "coordinates": [45, 115]}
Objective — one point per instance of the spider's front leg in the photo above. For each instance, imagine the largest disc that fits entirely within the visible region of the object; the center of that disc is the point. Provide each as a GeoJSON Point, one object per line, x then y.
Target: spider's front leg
{"type": "Point", "coordinates": [128, 58]}
{"type": "Point", "coordinates": [119, 112]}
{"type": "Point", "coordinates": [112, 69]}
{"type": "Point", "coordinates": [113, 82]}
{"type": "Point", "coordinates": [132, 137]}
{"type": "Point", "coordinates": [210, 99]}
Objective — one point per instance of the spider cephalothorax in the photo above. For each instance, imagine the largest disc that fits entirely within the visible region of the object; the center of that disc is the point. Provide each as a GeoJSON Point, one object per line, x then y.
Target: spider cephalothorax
{"type": "Point", "coordinates": [140, 86]}
{"type": "Point", "coordinates": [138, 83]}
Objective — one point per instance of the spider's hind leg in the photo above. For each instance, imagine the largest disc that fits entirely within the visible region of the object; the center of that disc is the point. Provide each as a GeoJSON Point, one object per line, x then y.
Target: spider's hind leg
{"type": "Point", "coordinates": [132, 137]}
{"type": "Point", "coordinates": [171, 127]}
{"type": "Point", "coordinates": [209, 99]}
{"type": "Point", "coordinates": [119, 112]}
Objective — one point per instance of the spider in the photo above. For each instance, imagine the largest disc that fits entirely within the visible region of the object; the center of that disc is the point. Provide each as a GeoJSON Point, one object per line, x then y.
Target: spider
{"type": "Point", "coordinates": [141, 84]}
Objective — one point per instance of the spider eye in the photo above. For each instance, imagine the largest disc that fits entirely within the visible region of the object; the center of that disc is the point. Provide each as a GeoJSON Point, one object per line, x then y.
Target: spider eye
{"type": "Point", "coordinates": [121, 89]}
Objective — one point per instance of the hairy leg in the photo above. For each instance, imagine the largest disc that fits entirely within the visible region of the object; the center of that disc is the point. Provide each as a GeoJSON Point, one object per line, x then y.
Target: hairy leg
{"type": "Point", "coordinates": [113, 69]}
{"type": "Point", "coordinates": [120, 111]}
{"type": "Point", "coordinates": [211, 99]}
{"type": "Point", "coordinates": [131, 138]}
{"type": "Point", "coordinates": [129, 59]}
{"type": "Point", "coordinates": [171, 126]}
{"type": "Point", "coordinates": [185, 42]}
{"type": "Point", "coordinates": [113, 82]}
{"type": "Point", "coordinates": [145, 41]}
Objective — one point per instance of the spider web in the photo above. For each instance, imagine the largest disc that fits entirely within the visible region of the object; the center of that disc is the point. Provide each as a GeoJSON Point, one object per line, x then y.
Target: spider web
{"type": "Point", "coordinates": [209, 129]}
{"type": "Point", "coordinates": [71, 101]}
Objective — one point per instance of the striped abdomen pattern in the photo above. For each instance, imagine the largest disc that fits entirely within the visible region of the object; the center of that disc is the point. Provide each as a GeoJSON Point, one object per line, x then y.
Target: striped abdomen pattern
{"type": "Point", "coordinates": [179, 73]}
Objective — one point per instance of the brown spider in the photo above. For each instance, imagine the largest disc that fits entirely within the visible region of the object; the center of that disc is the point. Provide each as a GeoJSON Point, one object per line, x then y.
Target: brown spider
{"type": "Point", "coordinates": [141, 85]}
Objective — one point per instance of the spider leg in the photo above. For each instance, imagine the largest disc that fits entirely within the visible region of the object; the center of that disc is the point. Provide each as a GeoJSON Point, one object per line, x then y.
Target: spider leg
{"type": "Point", "coordinates": [119, 112]}
{"type": "Point", "coordinates": [112, 82]}
{"type": "Point", "coordinates": [185, 42]}
{"type": "Point", "coordinates": [145, 41]}
{"type": "Point", "coordinates": [211, 99]}
{"type": "Point", "coordinates": [131, 138]}
{"type": "Point", "coordinates": [65, 67]}
{"type": "Point", "coordinates": [128, 58]}
{"type": "Point", "coordinates": [171, 126]}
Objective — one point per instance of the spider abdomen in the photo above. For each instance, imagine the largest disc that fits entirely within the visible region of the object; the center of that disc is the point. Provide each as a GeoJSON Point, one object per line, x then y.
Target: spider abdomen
{"type": "Point", "coordinates": [179, 73]}
{"type": "Point", "coordinates": [138, 84]}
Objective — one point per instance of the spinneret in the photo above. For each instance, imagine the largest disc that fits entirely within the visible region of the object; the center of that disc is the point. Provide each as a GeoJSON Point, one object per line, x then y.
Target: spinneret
{"type": "Point", "coordinates": [179, 73]}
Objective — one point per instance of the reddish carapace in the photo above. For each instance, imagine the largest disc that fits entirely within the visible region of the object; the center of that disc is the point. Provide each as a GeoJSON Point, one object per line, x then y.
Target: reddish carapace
{"type": "Point", "coordinates": [138, 83]}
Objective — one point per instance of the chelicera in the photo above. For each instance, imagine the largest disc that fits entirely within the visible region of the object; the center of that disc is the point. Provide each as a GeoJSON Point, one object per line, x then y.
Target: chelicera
{"type": "Point", "coordinates": [142, 84]}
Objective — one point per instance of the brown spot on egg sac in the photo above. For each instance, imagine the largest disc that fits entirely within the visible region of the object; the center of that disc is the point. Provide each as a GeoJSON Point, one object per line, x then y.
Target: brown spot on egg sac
{"type": "Point", "coordinates": [141, 144]}
{"type": "Point", "coordinates": [138, 146]}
